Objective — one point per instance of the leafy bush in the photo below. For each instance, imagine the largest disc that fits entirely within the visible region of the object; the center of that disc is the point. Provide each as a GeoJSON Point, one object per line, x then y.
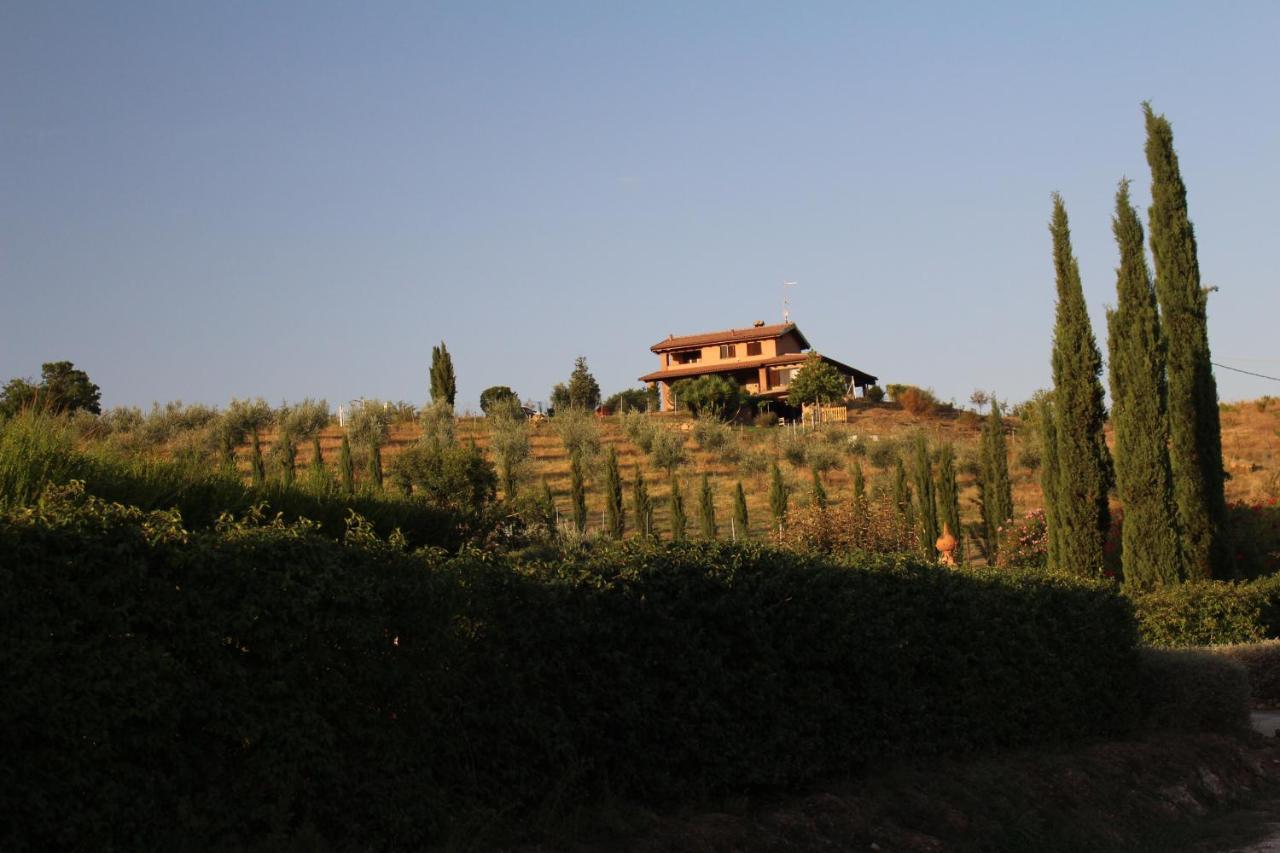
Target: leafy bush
{"type": "Point", "coordinates": [1262, 662]}
{"type": "Point", "coordinates": [1192, 690]}
{"type": "Point", "coordinates": [640, 429]}
{"type": "Point", "coordinates": [917, 401]}
{"type": "Point", "coordinates": [822, 456]}
{"type": "Point", "coordinates": [872, 526]}
{"type": "Point", "coordinates": [1202, 613]}
{"type": "Point", "coordinates": [579, 432]}
{"type": "Point", "coordinates": [1024, 542]}
{"type": "Point", "coordinates": [711, 434]}
{"type": "Point", "coordinates": [882, 454]}
{"type": "Point", "coordinates": [794, 449]}
{"type": "Point", "coordinates": [874, 393]}
{"type": "Point", "coordinates": [378, 699]}
{"type": "Point", "coordinates": [717, 396]}
{"type": "Point", "coordinates": [1254, 531]}
{"type": "Point", "coordinates": [667, 449]}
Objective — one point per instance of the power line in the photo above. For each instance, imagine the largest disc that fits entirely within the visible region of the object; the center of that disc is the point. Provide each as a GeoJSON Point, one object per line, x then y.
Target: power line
{"type": "Point", "coordinates": [1248, 372]}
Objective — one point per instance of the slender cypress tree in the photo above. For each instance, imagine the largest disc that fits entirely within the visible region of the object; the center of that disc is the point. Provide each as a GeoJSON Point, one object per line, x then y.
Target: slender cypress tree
{"type": "Point", "coordinates": [1195, 434]}
{"type": "Point", "coordinates": [926, 500]}
{"type": "Point", "coordinates": [949, 493]}
{"type": "Point", "coordinates": [547, 509]}
{"type": "Point", "coordinates": [257, 467]}
{"type": "Point", "coordinates": [902, 503]}
{"type": "Point", "coordinates": [1084, 465]}
{"type": "Point", "coordinates": [819, 491]}
{"type": "Point", "coordinates": [707, 510]}
{"type": "Point", "coordinates": [375, 466]}
{"type": "Point", "coordinates": [642, 506]}
{"type": "Point", "coordinates": [316, 471]}
{"type": "Point", "coordinates": [996, 492]}
{"type": "Point", "coordinates": [678, 518]}
{"type": "Point", "coordinates": [859, 484]}
{"type": "Point", "coordinates": [614, 514]}
{"type": "Point", "coordinates": [1049, 480]}
{"type": "Point", "coordinates": [578, 494]}
{"type": "Point", "coordinates": [741, 530]}
{"type": "Point", "coordinates": [777, 498]}
{"type": "Point", "coordinates": [288, 458]}
{"type": "Point", "coordinates": [1149, 547]}
{"type": "Point", "coordinates": [346, 468]}
{"type": "Point", "coordinates": [444, 384]}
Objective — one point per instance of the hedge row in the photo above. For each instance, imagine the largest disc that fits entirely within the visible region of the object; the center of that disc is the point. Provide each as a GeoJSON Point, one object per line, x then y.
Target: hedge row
{"type": "Point", "coordinates": [1203, 613]}
{"type": "Point", "coordinates": [245, 683]}
{"type": "Point", "coordinates": [38, 450]}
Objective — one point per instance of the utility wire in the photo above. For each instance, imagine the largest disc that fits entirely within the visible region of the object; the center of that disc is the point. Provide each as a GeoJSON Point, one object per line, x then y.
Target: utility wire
{"type": "Point", "coordinates": [1248, 372]}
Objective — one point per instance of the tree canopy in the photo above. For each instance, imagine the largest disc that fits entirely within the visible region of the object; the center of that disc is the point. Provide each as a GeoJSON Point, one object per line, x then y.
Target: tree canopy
{"type": "Point", "coordinates": [817, 381]}
{"type": "Point", "coordinates": [62, 389]}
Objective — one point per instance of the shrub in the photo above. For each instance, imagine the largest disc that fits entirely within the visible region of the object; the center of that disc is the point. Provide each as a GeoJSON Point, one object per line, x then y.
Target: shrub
{"type": "Point", "coordinates": [753, 461]}
{"type": "Point", "coordinates": [717, 396]}
{"type": "Point", "coordinates": [882, 454]}
{"type": "Point", "coordinates": [794, 449]}
{"type": "Point", "coordinates": [639, 429]}
{"type": "Point", "coordinates": [822, 457]}
{"type": "Point", "coordinates": [380, 699]}
{"type": "Point", "coordinates": [1024, 542]}
{"type": "Point", "coordinates": [668, 450]}
{"type": "Point", "coordinates": [1029, 458]}
{"type": "Point", "coordinates": [579, 433]}
{"type": "Point", "coordinates": [874, 393]}
{"type": "Point", "coordinates": [766, 419]}
{"type": "Point", "coordinates": [711, 434]}
{"type": "Point", "coordinates": [1202, 613]}
{"type": "Point", "coordinates": [1192, 690]}
{"type": "Point", "coordinates": [1254, 536]}
{"type": "Point", "coordinates": [917, 401]}
{"type": "Point", "coordinates": [1262, 662]}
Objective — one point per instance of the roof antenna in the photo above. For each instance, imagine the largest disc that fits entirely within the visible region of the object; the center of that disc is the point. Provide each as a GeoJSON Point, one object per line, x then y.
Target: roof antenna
{"type": "Point", "coordinates": [786, 302]}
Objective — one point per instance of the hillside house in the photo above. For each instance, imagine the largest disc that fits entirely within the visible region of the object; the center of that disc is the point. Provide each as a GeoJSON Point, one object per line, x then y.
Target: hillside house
{"type": "Point", "coordinates": [762, 359]}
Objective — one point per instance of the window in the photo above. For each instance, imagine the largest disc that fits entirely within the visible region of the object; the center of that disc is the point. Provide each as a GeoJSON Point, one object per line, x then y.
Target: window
{"type": "Point", "coordinates": [728, 350]}
{"type": "Point", "coordinates": [753, 348]}
{"type": "Point", "coordinates": [689, 356]}
{"type": "Point", "coordinates": [781, 377]}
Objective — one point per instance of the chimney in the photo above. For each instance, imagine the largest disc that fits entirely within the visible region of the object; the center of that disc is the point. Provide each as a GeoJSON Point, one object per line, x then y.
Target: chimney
{"type": "Point", "coordinates": [758, 323]}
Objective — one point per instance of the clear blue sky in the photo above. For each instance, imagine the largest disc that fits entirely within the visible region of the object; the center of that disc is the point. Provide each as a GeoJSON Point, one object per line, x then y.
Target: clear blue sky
{"type": "Point", "coordinates": [207, 200]}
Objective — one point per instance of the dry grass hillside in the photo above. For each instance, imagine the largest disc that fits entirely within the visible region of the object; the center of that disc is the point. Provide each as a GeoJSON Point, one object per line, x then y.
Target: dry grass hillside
{"type": "Point", "coordinates": [1250, 430]}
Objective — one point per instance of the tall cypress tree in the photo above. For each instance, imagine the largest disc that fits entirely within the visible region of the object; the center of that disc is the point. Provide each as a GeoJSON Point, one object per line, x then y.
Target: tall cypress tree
{"type": "Point", "coordinates": [707, 510]}
{"type": "Point", "coordinates": [996, 491]}
{"type": "Point", "coordinates": [678, 518]}
{"type": "Point", "coordinates": [1084, 465]}
{"type": "Point", "coordinates": [444, 384]}
{"type": "Point", "coordinates": [741, 530]}
{"type": "Point", "coordinates": [614, 515]}
{"type": "Point", "coordinates": [1195, 434]}
{"type": "Point", "coordinates": [642, 506]}
{"type": "Point", "coordinates": [949, 494]}
{"type": "Point", "coordinates": [777, 498]}
{"type": "Point", "coordinates": [577, 494]}
{"type": "Point", "coordinates": [1049, 480]}
{"type": "Point", "coordinates": [346, 469]}
{"type": "Point", "coordinates": [547, 509]}
{"type": "Point", "coordinates": [926, 501]}
{"type": "Point", "coordinates": [1149, 548]}
{"type": "Point", "coordinates": [288, 458]}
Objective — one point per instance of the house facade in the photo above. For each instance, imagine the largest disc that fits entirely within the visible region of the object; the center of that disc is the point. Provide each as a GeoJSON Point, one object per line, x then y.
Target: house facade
{"type": "Point", "coordinates": [762, 359]}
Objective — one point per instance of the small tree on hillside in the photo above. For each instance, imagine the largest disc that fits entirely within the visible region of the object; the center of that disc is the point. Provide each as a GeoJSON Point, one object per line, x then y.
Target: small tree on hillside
{"type": "Point", "coordinates": [902, 494]}
{"type": "Point", "coordinates": [584, 391]}
{"type": "Point", "coordinates": [509, 440]}
{"type": "Point", "coordinates": [346, 468]}
{"type": "Point", "coordinates": [642, 505]}
{"type": "Point", "coordinates": [317, 475]}
{"type": "Point", "coordinates": [707, 510]}
{"type": "Point", "coordinates": [257, 467]}
{"type": "Point", "coordinates": [819, 491]}
{"type": "Point", "coordinates": [926, 502]}
{"type": "Point", "coordinates": [496, 394]}
{"type": "Point", "coordinates": [741, 530]}
{"type": "Point", "coordinates": [777, 497]}
{"type": "Point", "coordinates": [578, 494]}
{"type": "Point", "coordinates": [678, 518]}
{"type": "Point", "coordinates": [615, 521]}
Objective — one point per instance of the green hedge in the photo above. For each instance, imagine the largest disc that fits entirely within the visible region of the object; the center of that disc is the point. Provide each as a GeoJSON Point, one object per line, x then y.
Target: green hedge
{"type": "Point", "coordinates": [243, 683]}
{"type": "Point", "coordinates": [38, 450]}
{"type": "Point", "coordinates": [1203, 613]}
{"type": "Point", "coordinates": [1262, 662]}
{"type": "Point", "coordinates": [1194, 690]}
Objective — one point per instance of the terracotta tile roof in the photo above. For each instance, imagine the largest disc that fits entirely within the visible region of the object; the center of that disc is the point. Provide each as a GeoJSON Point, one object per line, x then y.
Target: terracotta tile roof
{"type": "Point", "coordinates": [729, 336]}
{"type": "Point", "coordinates": [672, 374]}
